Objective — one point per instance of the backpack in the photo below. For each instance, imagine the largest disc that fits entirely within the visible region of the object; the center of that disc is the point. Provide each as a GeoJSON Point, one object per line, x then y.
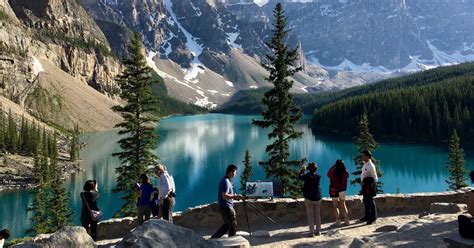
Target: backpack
{"type": "Point", "coordinates": [466, 227]}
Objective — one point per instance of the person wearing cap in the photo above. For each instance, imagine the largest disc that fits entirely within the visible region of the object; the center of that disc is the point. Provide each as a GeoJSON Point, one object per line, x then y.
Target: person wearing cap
{"type": "Point", "coordinates": [369, 178]}
{"type": "Point", "coordinates": [312, 197]}
{"type": "Point", "coordinates": [4, 235]}
{"type": "Point", "coordinates": [167, 192]}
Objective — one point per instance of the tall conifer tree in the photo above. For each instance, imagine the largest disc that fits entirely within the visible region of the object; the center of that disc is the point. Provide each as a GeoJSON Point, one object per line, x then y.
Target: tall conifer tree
{"type": "Point", "coordinates": [455, 165]}
{"type": "Point", "coordinates": [74, 149]}
{"type": "Point", "coordinates": [365, 141]}
{"type": "Point", "coordinates": [11, 140]}
{"type": "Point", "coordinates": [247, 173]}
{"type": "Point", "coordinates": [138, 127]}
{"type": "Point", "coordinates": [41, 222]}
{"type": "Point", "coordinates": [280, 113]}
{"type": "Point", "coordinates": [59, 212]}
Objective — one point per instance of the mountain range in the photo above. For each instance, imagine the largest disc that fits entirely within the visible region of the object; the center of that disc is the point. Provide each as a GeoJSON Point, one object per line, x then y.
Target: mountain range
{"type": "Point", "coordinates": [207, 50]}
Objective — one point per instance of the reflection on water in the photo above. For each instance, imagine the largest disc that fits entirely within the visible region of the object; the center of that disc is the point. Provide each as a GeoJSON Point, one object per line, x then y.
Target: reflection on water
{"type": "Point", "coordinates": [197, 150]}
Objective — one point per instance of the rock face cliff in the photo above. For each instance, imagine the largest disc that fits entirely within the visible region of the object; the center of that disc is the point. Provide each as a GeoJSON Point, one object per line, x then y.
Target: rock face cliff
{"type": "Point", "coordinates": [204, 52]}
{"type": "Point", "coordinates": [60, 35]}
{"type": "Point", "coordinates": [376, 36]}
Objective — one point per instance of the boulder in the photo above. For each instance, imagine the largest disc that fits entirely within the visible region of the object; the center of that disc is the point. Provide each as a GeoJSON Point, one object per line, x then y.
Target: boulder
{"type": "Point", "coordinates": [357, 243]}
{"type": "Point", "coordinates": [115, 228]}
{"type": "Point", "coordinates": [234, 242]}
{"type": "Point", "coordinates": [447, 208]}
{"type": "Point", "coordinates": [70, 236]}
{"type": "Point", "coordinates": [160, 233]}
{"type": "Point", "coordinates": [387, 228]}
{"type": "Point", "coordinates": [261, 233]}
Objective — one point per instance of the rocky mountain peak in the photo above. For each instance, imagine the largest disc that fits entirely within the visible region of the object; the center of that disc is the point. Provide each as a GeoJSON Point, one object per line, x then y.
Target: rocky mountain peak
{"type": "Point", "coordinates": [58, 18]}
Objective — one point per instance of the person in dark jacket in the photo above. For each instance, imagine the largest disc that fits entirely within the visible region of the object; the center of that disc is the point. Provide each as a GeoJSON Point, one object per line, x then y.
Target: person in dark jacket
{"type": "Point", "coordinates": [4, 235]}
{"type": "Point", "coordinates": [312, 197]}
{"type": "Point", "coordinates": [155, 203]}
{"type": "Point", "coordinates": [338, 175]}
{"type": "Point", "coordinates": [466, 224]}
{"type": "Point", "coordinates": [89, 203]}
{"type": "Point", "coordinates": [369, 178]}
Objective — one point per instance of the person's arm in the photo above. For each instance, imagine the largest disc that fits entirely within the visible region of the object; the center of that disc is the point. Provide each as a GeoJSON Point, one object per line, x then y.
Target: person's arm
{"type": "Point", "coordinates": [302, 176]}
{"type": "Point", "coordinates": [330, 172]}
{"type": "Point", "coordinates": [227, 193]}
{"type": "Point", "coordinates": [373, 172]}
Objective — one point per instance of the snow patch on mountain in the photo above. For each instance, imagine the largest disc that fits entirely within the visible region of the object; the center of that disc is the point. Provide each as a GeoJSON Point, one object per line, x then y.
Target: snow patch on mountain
{"type": "Point", "coordinates": [440, 58]}
{"type": "Point", "coordinates": [193, 72]}
{"type": "Point", "coordinates": [37, 66]}
{"type": "Point", "coordinates": [231, 38]}
{"type": "Point", "coordinates": [191, 43]}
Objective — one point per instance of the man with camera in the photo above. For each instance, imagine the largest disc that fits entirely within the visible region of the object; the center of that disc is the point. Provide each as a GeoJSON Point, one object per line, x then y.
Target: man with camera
{"type": "Point", "coordinates": [225, 197]}
{"type": "Point", "coordinates": [167, 192]}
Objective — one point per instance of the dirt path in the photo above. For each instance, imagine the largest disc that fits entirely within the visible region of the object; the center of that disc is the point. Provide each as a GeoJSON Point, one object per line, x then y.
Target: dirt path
{"type": "Point", "coordinates": [412, 231]}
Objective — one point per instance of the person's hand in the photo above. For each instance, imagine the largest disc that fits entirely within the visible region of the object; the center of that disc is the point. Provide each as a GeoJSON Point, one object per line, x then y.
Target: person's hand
{"type": "Point", "coordinates": [238, 197]}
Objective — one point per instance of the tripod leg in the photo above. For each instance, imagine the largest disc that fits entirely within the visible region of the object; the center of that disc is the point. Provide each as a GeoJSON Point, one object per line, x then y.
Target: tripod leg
{"type": "Point", "coordinates": [247, 217]}
{"type": "Point", "coordinates": [260, 212]}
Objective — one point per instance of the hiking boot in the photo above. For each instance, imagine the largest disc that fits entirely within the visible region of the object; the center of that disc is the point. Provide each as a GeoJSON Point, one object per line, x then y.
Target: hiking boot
{"type": "Point", "coordinates": [346, 221]}
{"type": "Point", "coordinates": [338, 222]}
{"type": "Point", "coordinates": [370, 222]}
{"type": "Point", "coordinates": [311, 235]}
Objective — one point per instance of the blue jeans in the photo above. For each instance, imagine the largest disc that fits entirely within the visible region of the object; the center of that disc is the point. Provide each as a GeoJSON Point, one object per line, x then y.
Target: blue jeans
{"type": "Point", "coordinates": [370, 208]}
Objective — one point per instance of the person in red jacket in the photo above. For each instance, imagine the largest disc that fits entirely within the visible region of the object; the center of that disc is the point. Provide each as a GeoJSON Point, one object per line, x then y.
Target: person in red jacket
{"type": "Point", "coordinates": [337, 190]}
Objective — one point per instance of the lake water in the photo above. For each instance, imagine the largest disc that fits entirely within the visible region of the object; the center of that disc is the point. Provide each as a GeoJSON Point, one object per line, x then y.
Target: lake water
{"type": "Point", "coordinates": [197, 149]}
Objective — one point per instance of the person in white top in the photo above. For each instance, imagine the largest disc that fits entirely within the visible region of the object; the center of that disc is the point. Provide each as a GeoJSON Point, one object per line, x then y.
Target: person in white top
{"type": "Point", "coordinates": [368, 179]}
{"type": "Point", "coordinates": [4, 235]}
{"type": "Point", "coordinates": [167, 192]}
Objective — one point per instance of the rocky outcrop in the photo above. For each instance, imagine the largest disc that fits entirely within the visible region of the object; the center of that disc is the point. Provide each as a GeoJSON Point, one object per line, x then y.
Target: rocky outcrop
{"type": "Point", "coordinates": [73, 236]}
{"type": "Point", "coordinates": [160, 233]}
{"type": "Point", "coordinates": [364, 35]}
{"type": "Point", "coordinates": [60, 32]}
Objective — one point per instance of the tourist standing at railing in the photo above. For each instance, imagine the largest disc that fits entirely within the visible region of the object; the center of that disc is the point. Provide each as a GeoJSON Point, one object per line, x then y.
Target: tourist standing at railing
{"type": "Point", "coordinates": [369, 178]}
{"type": "Point", "coordinates": [90, 212]}
{"type": "Point", "coordinates": [144, 195]}
{"type": "Point", "coordinates": [338, 175]}
{"type": "Point", "coordinates": [312, 197]}
{"type": "Point", "coordinates": [167, 192]}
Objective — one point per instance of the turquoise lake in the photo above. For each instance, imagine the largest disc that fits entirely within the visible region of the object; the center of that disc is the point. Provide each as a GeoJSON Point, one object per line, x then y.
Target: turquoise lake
{"type": "Point", "coordinates": [197, 149]}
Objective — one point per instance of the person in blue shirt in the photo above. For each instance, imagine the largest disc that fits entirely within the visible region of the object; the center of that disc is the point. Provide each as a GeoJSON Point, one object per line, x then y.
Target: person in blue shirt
{"type": "Point", "coordinates": [312, 197]}
{"type": "Point", "coordinates": [144, 195]}
{"type": "Point", "coordinates": [225, 197]}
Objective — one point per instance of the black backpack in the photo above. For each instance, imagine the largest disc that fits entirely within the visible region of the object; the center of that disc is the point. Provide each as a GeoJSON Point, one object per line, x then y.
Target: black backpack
{"type": "Point", "coordinates": [466, 227]}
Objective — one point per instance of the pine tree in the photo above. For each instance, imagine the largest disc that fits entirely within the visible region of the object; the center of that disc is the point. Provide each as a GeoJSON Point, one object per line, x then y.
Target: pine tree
{"type": "Point", "coordinates": [247, 173]}
{"type": "Point", "coordinates": [74, 149]}
{"type": "Point", "coordinates": [2, 131]}
{"type": "Point", "coordinates": [41, 223]}
{"type": "Point", "coordinates": [138, 126]}
{"type": "Point", "coordinates": [23, 137]}
{"type": "Point", "coordinates": [455, 165]}
{"type": "Point", "coordinates": [365, 141]}
{"type": "Point", "coordinates": [59, 212]}
{"type": "Point", "coordinates": [280, 112]}
{"type": "Point", "coordinates": [12, 134]}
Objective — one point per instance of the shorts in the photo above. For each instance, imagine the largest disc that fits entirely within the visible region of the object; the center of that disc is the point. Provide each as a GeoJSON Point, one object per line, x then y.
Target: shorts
{"type": "Point", "coordinates": [341, 195]}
